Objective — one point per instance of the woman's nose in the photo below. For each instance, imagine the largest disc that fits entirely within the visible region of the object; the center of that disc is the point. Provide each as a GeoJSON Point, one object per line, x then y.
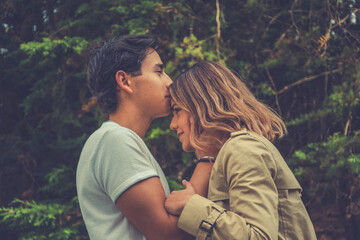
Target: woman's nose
{"type": "Point", "coordinates": [173, 124]}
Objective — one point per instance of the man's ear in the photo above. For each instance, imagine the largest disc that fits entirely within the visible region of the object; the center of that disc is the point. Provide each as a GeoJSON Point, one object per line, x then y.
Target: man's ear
{"type": "Point", "coordinates": [123, 81]}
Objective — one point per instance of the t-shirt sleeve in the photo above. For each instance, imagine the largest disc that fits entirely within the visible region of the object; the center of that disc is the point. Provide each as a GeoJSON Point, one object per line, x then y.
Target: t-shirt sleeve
{"type": "Point", "coordinates": [120, 163]}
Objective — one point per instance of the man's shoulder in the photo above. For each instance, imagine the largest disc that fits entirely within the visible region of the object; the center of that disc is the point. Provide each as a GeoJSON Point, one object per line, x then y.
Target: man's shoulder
{"type": "Point", "coordinates": [111, 138]}
{"type": "Point", "coordinates": [111, 131]}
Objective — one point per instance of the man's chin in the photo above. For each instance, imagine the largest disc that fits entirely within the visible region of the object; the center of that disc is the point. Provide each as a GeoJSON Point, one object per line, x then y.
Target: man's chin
{"type": "Point", "coordinates": [165, 114]}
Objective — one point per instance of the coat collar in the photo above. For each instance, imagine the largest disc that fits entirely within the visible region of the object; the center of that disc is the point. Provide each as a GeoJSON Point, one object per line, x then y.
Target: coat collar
{"type": "Point", "coordinates": [237, 133]}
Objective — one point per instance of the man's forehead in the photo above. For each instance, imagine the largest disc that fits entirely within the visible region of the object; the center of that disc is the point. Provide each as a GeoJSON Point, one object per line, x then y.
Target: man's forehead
{"type": "Point", "coordinates": [153, 58]}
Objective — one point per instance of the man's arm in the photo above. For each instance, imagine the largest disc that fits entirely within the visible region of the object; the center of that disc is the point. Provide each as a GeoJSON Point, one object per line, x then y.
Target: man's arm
{"type": "Point", "coordinates": [143, 206]}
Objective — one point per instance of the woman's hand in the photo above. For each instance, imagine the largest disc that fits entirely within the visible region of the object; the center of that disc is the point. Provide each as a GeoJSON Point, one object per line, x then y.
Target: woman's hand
{"type": "Point", "coordinates": [176, 201]}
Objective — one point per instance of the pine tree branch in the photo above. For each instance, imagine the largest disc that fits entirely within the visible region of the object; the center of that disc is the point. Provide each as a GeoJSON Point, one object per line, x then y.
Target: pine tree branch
{"type": "Point", "coordinates": [306, 79]}
{"type": "Point", "coordinates": [273, 85]}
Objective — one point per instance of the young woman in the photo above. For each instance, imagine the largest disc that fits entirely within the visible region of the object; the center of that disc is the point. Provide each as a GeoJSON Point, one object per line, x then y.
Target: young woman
{"type": "Point", "coordinates": [252, 193]}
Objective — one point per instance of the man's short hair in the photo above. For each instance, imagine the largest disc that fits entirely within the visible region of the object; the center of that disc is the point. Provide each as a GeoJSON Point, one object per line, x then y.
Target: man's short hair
{"type": "Point", "coordinates": [120, 53]}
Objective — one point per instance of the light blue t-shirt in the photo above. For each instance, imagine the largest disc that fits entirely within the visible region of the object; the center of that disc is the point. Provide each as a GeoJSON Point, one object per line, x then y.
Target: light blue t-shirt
{"type": "Point", "coordinates": [113, 159]}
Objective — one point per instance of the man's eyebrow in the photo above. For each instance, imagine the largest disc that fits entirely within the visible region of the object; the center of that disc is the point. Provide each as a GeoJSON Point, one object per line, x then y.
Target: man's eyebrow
{"type": "Point", "coordinates": [160, 65]}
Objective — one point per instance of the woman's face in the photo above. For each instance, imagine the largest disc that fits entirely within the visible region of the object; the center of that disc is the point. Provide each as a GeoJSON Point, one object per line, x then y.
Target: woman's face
{"type": "Point", "coordinates": [181, 122]}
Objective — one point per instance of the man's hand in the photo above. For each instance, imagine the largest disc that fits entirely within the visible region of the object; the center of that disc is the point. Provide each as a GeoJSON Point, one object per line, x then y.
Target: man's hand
{"type": "Point", "coordinates": [176, 201]}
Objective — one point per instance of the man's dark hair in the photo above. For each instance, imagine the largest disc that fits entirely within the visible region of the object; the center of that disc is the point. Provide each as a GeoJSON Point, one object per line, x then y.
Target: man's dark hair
{"type": "Point", "coordinates": [120, 53]}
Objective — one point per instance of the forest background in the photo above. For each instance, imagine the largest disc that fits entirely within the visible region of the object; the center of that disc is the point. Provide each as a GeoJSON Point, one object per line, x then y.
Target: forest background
{"type": "Point", "coordinates": [300, 57]}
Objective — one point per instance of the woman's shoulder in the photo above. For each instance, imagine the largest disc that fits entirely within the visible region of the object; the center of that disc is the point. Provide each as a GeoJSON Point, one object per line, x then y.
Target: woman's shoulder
{"type": "Point", "coordinates": [247, 138]}
{"type": "Point", "coordinates": [249, 146]}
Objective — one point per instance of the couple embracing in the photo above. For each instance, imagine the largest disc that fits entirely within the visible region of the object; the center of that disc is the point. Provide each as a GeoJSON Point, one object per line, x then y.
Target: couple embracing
{"type": "Point", "coordinates": [241, 187]}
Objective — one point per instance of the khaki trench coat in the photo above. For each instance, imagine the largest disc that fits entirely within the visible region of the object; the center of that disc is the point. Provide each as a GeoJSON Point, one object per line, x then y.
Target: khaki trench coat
{"type": "Point", "coordinates": [252, 195]}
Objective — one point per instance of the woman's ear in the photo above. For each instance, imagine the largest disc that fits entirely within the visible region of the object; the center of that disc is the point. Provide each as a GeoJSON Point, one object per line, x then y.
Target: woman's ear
{"type": "Point", "coordinates": [123, 81]}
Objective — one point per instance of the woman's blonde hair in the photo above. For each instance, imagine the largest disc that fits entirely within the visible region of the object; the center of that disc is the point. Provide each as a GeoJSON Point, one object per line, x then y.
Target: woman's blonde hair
{"type": "Point", "coordinates": [219, 101]}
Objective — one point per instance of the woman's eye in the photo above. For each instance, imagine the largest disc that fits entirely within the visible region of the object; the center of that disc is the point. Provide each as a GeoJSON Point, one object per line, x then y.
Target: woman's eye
{"type": "Point", "coordinates": [176, 110]}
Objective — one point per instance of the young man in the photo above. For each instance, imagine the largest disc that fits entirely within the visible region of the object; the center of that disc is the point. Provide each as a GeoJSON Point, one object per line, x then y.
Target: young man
{"type": "Point", "coordinates": [121, 188]}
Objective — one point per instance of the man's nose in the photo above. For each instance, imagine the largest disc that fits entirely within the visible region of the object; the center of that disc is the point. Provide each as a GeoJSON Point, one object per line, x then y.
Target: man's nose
{"type": "Point", "coordinates": [169, 81]}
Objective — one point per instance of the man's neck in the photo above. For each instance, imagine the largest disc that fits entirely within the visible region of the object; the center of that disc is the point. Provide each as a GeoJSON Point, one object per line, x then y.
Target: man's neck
{"type": "Point", "coordinates": [132, 119]}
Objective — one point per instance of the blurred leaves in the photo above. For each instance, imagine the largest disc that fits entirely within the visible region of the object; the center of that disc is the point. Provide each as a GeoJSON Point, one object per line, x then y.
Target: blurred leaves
{"type": "Point", "coordinates": [300, 57]}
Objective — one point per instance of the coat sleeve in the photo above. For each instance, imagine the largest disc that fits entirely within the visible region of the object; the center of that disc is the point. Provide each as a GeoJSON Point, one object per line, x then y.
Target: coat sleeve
{"type": "Point", "coordinates": [248, 168]}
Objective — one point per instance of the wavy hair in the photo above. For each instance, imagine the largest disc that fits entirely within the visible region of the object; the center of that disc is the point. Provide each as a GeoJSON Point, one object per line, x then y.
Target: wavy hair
{"type": "Point", "coordinates": [219, 101]}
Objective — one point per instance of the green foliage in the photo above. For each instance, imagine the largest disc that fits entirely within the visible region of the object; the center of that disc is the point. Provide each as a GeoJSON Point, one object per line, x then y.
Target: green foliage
{"type": "Point", "coordinates": [60, 182]}
{"type": "Point", "coordinates": [331, 169]}
{"type": "Point", "coordinates": [309, 117]}
{"type": "Point", "coordinates": [156, 133]}
{"type": "Point", "coordinates": [146, 12]}
{"type": "Point", "coordinates": [43, 221]}
{"type": "Point", "coordinates": [174, 184]}
{"type": "Point", "coordinates": [331, 158]}
{"type": "Point", "coordinates": [300, 57]}
{"type": "Point", "coordinates": [49, 47]}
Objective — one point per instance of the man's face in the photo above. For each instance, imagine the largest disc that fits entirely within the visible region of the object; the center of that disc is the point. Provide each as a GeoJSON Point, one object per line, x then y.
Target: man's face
{"type": "Point", "coordinates": [151, 88]}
